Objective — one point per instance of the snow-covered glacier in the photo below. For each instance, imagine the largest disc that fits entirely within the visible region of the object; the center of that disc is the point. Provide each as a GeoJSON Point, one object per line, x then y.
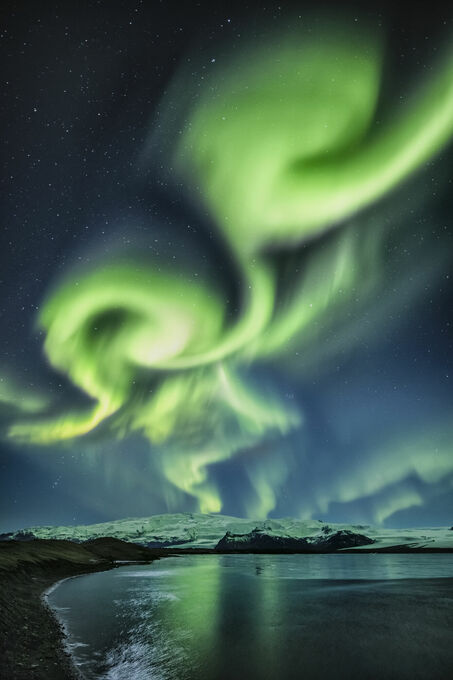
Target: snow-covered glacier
{"type": "Point", "coordinates": [206, 530]}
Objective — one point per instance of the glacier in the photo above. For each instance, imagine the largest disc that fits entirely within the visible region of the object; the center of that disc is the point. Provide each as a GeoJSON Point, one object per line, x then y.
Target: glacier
{"type": "Point", "coordinates": [196, 530]}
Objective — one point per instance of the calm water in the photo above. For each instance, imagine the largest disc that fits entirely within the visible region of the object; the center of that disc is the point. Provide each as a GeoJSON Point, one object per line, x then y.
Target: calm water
{"type": "Point", "coordinates": [263, 617]}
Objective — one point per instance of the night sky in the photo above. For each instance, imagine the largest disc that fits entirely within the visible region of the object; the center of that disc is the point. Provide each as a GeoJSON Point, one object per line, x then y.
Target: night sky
{"type": "Point", "coordinates": [226, 262]}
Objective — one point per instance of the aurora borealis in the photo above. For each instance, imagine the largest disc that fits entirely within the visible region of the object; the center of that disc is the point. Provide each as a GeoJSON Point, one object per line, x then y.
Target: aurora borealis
{"type": "Point", "coordinates": [259, 321]}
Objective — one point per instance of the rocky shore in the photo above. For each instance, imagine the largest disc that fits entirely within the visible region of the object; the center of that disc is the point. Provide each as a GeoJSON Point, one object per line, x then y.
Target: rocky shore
{"type": "Point", "coordinates": [31, 639]}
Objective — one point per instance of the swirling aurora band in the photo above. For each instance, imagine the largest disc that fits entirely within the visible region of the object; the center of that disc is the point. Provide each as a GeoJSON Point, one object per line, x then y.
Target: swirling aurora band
{"type": "Point", "coordinates": [283, 146]}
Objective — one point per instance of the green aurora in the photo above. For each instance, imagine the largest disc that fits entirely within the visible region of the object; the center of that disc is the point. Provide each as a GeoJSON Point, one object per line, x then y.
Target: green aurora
{"type": "Point", "coordinates": [284, 145]}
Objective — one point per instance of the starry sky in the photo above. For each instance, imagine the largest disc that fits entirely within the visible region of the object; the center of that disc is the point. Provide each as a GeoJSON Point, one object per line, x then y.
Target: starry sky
{"type": "Point", "coordinates": [226, 262]}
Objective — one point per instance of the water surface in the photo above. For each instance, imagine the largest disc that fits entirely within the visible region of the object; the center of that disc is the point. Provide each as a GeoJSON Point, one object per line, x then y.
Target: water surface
{"type": "Point", "coordinates": [266, 617]}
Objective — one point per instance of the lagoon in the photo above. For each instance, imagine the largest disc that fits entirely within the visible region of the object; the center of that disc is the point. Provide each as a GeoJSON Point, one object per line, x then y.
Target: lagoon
{"type": "Point", "coordinates": [263, 617]}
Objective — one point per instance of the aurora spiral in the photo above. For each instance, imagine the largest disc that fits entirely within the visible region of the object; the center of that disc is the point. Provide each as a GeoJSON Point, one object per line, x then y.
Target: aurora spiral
{"type": "Point", "coordinates": [286, 145]}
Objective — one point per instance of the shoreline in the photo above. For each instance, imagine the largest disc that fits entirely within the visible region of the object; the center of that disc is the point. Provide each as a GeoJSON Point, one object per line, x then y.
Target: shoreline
{"type": "Point", "coordinates": [35, 645]}
{"type": "Point", "coordinates": [63, 635]}
{"type": "Point", "coordinates": [32, 638]}
{"type": "Point", "coordinates": [62, 641]}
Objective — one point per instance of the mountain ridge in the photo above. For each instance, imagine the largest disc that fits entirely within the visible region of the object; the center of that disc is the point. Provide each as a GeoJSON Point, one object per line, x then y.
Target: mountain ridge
{"type": "Point", "coordinates": [197, 530]}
